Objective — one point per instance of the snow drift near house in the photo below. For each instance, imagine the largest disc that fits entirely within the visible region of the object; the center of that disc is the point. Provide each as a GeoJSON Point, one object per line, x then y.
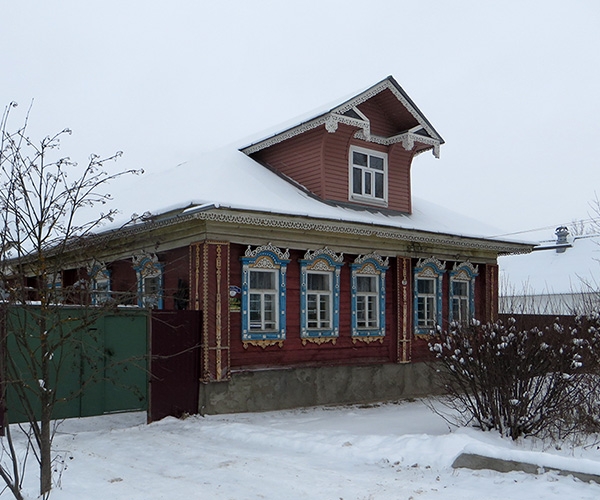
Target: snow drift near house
{"type": "Point", "coordinates": [375, 452]}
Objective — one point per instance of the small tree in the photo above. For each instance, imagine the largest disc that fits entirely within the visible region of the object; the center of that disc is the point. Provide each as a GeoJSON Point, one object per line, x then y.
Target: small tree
{"type": "Point", "coordinates": [48, 209]}
{"type": "Point", "coordinates": [520, 381]}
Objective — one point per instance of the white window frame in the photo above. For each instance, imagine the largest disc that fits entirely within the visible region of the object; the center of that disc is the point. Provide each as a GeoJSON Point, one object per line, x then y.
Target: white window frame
{"type": "Point", "coordinates": [321, 324]}
{"type": "Point", "coordinates": [429, 302]}
{"type": "Point", "coordinates": [323, 262]}
{"type": "Point", "coordinates": [262, 292]}
{"type": "Point", "coordinates": [463, 301]}
{"type": "Point", "coordinates": [370, 300]}
{"type": "Point", "coordinates": [369, 198]}
{"type": "Point", "coordinates": [463, 272]}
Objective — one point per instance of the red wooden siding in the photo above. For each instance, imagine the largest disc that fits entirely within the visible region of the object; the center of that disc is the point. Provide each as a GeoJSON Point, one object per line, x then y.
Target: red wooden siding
{"type": "Point", "coordinates": [399, 195]}
{"type": "Point", "coordinates": [175, 276]}
{"type": "Point", "coordinates": [319, 160]}
{"type": "Point", "coordinates": [123, 282]}
{"type": "Point", "coordinates": [321, 164]}
{"type": "Point", "coordinates": [293, 353]}
{"type": "Point", "coordinates": [300, 158]}
{"type": "Point", "coordinates": [335, 163]}
{"type": "Point", "coordinates": [124, 285]}
{"type": "Point", "coordinates": [336, 166]}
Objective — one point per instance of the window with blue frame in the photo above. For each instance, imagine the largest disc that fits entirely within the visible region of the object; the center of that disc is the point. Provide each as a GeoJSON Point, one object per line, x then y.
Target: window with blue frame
{"type": "Point", "coordinates": [462, 292]}
{"type": "Point", "coordinates": [54, 284]}
{"type": "Point", "coordinates": [100, 283]}
{"type": "Point", "coordinates": [149, 273]}
{"type": "Point", "coordinates": [428, 292]}
{"type": "Point", "coordinates": [368, 298]}
{"type": "Point", "coordinates": [263, 295]}
{"type": "Point", "coordinates": [320, 296]}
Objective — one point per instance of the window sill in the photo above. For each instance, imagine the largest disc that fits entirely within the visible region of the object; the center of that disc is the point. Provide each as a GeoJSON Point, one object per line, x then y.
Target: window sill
{"type": "Point", "coordinates": [366, 200]}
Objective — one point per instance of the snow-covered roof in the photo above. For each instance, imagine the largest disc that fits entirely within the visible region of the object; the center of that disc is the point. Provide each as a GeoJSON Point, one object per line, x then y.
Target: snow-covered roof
{"type": "Point", "coordinates": [546, 271]}
{"type": "Point", "coordinates": [229, 179]}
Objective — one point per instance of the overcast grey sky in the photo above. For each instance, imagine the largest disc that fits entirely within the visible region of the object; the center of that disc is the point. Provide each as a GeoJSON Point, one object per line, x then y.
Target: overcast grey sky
{"type": "Point", "coordinates": [512, 86]}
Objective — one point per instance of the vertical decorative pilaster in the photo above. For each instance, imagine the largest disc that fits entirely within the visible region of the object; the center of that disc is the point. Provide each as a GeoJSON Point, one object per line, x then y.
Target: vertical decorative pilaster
{"type": "Point", "coordinates": [404, 301]}
{"type": "Point", "coordinates": [210, 283]}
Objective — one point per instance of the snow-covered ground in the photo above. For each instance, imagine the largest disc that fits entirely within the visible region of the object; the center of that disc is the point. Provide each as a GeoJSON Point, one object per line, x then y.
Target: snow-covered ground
{"type": "Point", "coordinates": [387, 451]}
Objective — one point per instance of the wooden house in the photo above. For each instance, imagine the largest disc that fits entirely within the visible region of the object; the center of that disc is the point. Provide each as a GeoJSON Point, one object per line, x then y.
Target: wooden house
{"type": "Point", "coordinates": [319, 275]}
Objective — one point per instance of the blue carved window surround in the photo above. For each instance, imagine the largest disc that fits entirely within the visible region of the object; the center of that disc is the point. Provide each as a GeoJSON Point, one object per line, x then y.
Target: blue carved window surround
{"type": "Point", "coordinates": [100, 283]}
{"type": "Point", "coordinates": [368, 298]}
{"type": "Point", "coordinates": [149, 273]}
{"type": "Point", "coordinates": [462, 292]}
{"type": "Point", "coordinates": [428, 292]}
{"type": "Point", "coordinates": [263, 296]}
{"type": "Point", "coordinates": [320, 296]}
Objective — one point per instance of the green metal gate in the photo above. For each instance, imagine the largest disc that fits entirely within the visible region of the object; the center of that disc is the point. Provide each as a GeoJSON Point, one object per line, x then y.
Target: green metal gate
{"type": "Point", "coordinates": [102, 368]}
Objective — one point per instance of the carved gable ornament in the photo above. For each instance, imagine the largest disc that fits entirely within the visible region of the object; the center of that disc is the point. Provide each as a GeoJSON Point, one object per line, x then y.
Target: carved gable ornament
{"type": "Point", "coordinates": [348, 113]}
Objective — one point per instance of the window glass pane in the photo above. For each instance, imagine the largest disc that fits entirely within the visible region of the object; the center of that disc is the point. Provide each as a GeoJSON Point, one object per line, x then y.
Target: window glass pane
{"type": "Point", "coordinates": [262, 280]}
{"type": "Point", "coordinates": [311, 305]}
{"type": "Point", "coordinates": [460, 309]}
{"type": "Point", "coordinates": [425, 286]}
{"type": "Point", "coordinates": [367, 183]}
{"type": "Point", "coordinates": [378, 185]}
{"type": "Point", "coordinates": [357, 181]}
{"type": "Point", "coordinates": [151, 285]}
{"type": "Point", "coordinates": [324, 310]}
{"type": "Point", "coordinates": [359, 159]}
{"type": "Point", "coordinates": [269, 300]}
{"type": "Point", "coordinates": [318, 281]}
{"type": "Point", "coordinates": [460, 288]}
{"type": "Point", "coordinates": [255, 311]}
{"type": "Point", "coordinates": [372, 310]}
{"type": "Point", "coordinates": [376, 162]}
{"type": "Point", "coordinates": [425, 311]}
{"type": "Point", "coordinates": [366, 283]}
{"type": "Point", "coordinates": [361, 310]}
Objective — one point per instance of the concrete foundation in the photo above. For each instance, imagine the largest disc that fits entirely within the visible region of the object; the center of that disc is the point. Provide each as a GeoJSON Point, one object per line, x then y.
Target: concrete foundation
{"type": "Point", "coordinates": [278, 389]}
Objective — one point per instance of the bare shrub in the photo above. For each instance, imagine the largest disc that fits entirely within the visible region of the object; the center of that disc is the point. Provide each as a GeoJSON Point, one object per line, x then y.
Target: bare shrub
{"type": "Point", "coordinates": [521, 381]}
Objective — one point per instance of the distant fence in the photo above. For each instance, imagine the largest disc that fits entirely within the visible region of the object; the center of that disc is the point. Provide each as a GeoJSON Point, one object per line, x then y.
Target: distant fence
{"type": "Point", "coordinates": [529, 321]}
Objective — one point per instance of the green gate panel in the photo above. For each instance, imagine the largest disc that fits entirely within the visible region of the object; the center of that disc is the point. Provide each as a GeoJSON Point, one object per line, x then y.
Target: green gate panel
{"type": "Point", "coordinates": [100, 367]}
{"type": "Point", "coordinates": [126, 369]}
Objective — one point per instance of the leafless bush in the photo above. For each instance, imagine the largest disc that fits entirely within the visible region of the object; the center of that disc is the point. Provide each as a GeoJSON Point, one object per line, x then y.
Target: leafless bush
{"type": "Point", "coordinates": [519, 381]}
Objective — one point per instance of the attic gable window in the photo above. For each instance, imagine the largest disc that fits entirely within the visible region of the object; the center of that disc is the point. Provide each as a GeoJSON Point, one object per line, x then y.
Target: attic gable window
{"type": "Point", "coordinates": [368, 176]}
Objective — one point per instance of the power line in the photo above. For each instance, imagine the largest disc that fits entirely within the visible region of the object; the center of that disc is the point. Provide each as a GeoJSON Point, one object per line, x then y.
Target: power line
{"type": "Point", "coordinates": [554, 226]}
